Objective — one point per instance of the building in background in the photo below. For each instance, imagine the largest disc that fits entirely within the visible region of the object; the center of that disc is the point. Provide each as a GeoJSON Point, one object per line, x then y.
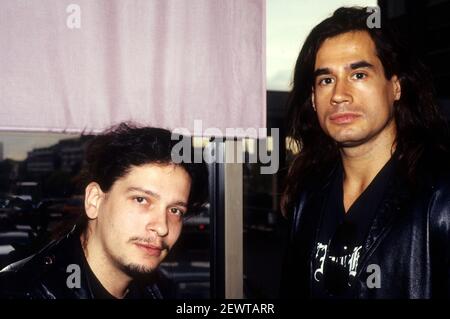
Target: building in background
{"type": "Point", "coordinates": [66, 156]}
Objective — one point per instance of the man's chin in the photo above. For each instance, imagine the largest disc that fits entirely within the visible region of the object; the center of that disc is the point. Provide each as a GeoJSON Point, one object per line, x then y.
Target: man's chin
{"type": "Point", "coordinates": [350, 143]}
{"type": "Point", "coordinates": [138, 270]}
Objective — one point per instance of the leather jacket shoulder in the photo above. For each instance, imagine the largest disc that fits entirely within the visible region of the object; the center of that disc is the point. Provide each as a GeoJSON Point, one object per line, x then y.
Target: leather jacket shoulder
{"type": "Point", "coordinates": [409, 240]}
{"type": "Point", "coordinates": [46, 275]}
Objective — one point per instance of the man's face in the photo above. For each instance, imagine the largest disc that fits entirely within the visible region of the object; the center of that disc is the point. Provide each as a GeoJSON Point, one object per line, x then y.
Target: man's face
{"type": "Point", "coordinates": [353, 99]}
{"type": "Point", "coordinates": [140, 218]}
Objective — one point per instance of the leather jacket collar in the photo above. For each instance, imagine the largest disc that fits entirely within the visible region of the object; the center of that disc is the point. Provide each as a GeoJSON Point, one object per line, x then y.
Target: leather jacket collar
{"type": "Point", "coordinates": [46, 275]}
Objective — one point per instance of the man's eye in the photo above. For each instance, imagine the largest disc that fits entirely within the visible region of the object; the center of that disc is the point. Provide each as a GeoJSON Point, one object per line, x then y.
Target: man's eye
{"type": "Point", "coordinates": [140, 200]}
{"type": "Point", "coordinates": [176, 211]}
{"type": "Point", "coordinates": [359, 75]}
{"type": "Point", "coordinates": [325, 81]}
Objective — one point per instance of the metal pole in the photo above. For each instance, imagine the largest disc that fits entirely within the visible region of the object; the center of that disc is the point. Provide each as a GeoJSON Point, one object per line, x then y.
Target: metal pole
{"type": "Point", "coordinates": [226, 199]}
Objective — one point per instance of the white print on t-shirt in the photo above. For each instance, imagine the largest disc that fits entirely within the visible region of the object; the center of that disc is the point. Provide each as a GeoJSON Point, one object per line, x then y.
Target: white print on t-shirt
{"type": "Point", "coordinates": [350, 260]}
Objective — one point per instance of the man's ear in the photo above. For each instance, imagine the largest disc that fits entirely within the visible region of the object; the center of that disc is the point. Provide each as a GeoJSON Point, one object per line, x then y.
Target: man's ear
{"type": "Point", "coordinates": [93, 196]}
{"type": "Point", "coordinates": [397, 87]}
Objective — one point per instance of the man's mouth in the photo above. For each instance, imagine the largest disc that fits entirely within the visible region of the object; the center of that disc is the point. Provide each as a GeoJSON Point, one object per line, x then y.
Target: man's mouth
{"type": "Point", "coordinates": [344, 117]}
{"type": "Point", "coordinates": [151, 250]}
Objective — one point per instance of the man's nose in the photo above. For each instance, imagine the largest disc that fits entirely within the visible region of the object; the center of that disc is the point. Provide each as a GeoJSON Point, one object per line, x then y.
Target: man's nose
{"type": "Point", "coordinates": [157, 221]}
{"type": "Point", "coordinates": [341, 93]}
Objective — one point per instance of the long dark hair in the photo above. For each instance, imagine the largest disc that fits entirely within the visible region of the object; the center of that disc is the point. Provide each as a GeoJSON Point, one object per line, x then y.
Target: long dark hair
{"type": "Point", "coordinates": [422, 133]}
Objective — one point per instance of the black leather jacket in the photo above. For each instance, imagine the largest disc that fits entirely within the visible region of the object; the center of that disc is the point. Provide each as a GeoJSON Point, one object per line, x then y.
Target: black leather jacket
{"type": "Point", "coordinates": [45, 274]}
{"type": "Point", "coordinates": [409, 240]}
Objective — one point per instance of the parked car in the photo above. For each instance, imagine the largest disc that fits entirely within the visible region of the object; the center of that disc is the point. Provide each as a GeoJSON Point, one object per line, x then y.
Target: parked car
{"type": "Point", "coordinates": [9, 242]}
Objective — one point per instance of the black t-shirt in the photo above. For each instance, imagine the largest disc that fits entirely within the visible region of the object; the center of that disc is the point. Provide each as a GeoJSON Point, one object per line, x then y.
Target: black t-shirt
{"type": "Point", "coordinates": [100, 292]}
{"type": "Point", "coordinates": [341, 236]}
{"type": "Point", "coordinates": [97, 289]}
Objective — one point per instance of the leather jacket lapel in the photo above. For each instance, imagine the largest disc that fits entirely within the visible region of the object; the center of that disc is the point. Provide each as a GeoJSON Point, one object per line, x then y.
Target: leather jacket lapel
{"type": "Point", "coordinates": [396, 196]}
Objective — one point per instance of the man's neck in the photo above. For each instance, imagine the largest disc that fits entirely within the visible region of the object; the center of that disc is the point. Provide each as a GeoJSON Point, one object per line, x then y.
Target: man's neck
{"type": "Point", "coordinates": [362, 163]}
{"type": "Point", "coordinates": [112, 279]}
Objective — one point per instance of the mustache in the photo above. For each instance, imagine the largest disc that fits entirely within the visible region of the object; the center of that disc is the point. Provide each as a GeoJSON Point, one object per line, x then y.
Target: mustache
{"type": "Point", "coordinates": [149, 240]}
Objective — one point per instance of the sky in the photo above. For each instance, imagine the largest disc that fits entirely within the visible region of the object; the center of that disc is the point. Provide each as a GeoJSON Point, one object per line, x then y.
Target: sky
{"type": "Point", "coordinates": [288, 22]}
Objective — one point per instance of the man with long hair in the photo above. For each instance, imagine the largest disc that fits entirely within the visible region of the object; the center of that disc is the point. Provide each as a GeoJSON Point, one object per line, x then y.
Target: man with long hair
{"type": "Point", "coordinates": [368, 195]}
{"type": "Point", "coordinates": [136, 198]}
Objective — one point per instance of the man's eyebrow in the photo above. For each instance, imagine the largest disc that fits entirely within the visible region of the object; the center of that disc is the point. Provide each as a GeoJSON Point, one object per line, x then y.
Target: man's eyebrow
{"type": "Point", "coordinates": [143, 190]}
{"type": "Point", "coordinates": [321, 71]}
{"type": "Point", "coordinates": [180, 203]}
{"type": "Point", "coordinates": [353, 66]}
{"type": "Point", "coordinates": [360, 64]}
{"type": "Point", "coordinates": [153, 194]}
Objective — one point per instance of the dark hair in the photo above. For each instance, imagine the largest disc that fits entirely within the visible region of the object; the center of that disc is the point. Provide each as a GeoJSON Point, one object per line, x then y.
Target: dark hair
{"type": "Point", "coordinates": [111, 155]}
{"type": "Point", "coordinates": [421, 130]}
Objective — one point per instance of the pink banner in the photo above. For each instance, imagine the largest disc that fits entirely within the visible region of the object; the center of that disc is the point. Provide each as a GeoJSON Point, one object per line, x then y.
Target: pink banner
{"type": "Point", "coordinates": [83, 65]}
